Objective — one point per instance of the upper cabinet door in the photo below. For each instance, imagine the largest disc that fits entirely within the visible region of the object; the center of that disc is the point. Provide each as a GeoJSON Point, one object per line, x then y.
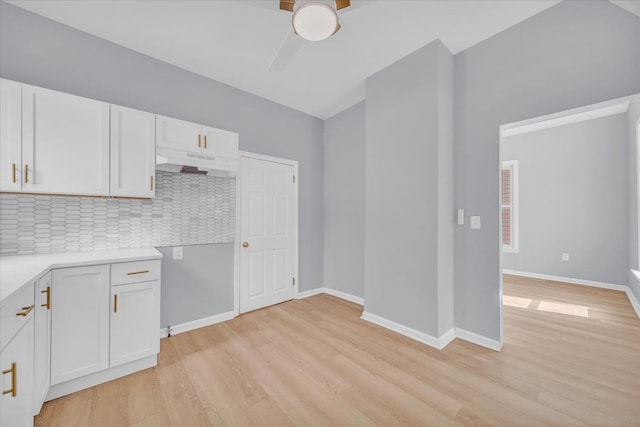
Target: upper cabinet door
{"type": "Point", "coordinates": [10, 135]}
{"type": "Point", "coordinates": [133, 152]}
{"type": "Point", "coordinates": [65, 143]}
{"type": "Point", "coordinates": [220, 142]}
{"type": "Point", "coordinates": [178, 134]}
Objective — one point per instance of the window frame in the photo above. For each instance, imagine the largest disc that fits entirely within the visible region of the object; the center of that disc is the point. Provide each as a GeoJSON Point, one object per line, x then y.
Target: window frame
{"type": "Point", "coordinates": [514, 206]}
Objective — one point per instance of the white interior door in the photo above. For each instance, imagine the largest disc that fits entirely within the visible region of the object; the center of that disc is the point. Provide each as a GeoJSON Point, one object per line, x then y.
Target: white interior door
{"type": "Point", "coordinates": [266, 233]}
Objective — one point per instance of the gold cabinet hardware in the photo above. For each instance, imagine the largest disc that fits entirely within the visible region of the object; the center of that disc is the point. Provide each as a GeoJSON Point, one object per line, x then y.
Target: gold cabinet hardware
{"type": "Point", "coordinates": [245, 245]}
{"type": "Point", "coordinates": [26, 173]}
{"type": "Point", "coordinates": [115, 303]}
{"type": "Point", "coordinates": [25, 311]}
{"type": "Point", "coordinates": [131, 273]}
{"type": "Point", "coordinates": [14, 379]}
{"type": "Point", "coordinates": [152, 183]}
{"type": "Point", "coordinates": [14, 172]}
{"type": "Point", "coordinates": [199, 136]}
{"type": "Point", "coordinates": [205, 142]}
{"type": "Point", "coordinates": [48, 303]}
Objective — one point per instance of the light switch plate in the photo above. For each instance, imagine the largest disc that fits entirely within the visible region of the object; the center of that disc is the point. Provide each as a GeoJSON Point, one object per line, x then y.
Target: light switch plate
{"type": "Point", "coordinates": [565, 256]}
{"type": "Point", "coordinates": [475, 222]}
{"type": "Point", "coordinates": [178, 252]}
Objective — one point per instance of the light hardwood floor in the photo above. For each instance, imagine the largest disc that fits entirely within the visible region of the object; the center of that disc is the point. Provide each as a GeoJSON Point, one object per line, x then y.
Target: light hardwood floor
{"type": "Point", "coordinates": [314, 362]}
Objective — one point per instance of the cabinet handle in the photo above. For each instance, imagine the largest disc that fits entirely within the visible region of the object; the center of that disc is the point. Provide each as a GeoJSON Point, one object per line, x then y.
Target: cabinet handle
{"type": "Point", "coordinates": [152, 183]}
{"type": "Point", "coordinates": [14, 380]}
{"type": "Point", "coordinates": [131, 273]}
{"type": "Point", "coordinates": [205, 142]}
{"type": "Point", "coordinates": [48, 303]}
{"type": "Point", "coordinates": [115, 303]}
{"type": "Point", "coordinates": [199, 136]}
{"type": "Point", "coordinates": [26, 173]}
{"type": "Point", "coordinates": [14, 172]}
{"type": "Point", "coordinates": [25, 311]}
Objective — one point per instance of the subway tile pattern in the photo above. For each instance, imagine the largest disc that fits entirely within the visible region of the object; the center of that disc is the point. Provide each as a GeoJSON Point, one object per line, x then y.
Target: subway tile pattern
{"type": "Point", "coordinates": [187, 210]}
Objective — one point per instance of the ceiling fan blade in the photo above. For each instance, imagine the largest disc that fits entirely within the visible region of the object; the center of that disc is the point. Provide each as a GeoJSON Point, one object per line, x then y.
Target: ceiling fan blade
{"type": "Point", "coordinates": [287, 5]}
{"type": "Point", "coordinates": [341, 4]}
{"type": "Point", "coordinates": [288, 49]}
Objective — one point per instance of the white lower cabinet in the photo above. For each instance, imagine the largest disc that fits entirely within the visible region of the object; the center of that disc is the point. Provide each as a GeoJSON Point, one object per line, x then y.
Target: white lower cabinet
{"type": "Point", "coordinates": [135, 320]}
{"type": "Point", "coordinates": [16, 362]}
{"type": "Point", "coordinates": [42, 343]}
{"type": "Point", "coordinates": [80, 322]}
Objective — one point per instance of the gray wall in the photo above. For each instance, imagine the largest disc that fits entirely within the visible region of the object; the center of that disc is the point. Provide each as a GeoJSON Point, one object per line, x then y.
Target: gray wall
{"type": "Point", "coordinates": [573, 191]}
{"type": "Point", "coordinates": [198, 285]}
{"type": "Point", "coordinates": [573, 54]}
{"type": "Point", "coordinates": [42, 52]}
{"type": "Point", "coordinates": [633, 115]}
{"type": "Point", "coordinates": [402, 187]}
{"type": "Point", "coordinates": [344, 201]}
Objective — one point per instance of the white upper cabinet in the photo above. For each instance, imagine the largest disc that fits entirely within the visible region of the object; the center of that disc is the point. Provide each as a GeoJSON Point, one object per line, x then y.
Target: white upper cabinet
{"type": "Point", "coordinates": [133, 148]}
{"type": "Point", "coordinates": [178, 134]}
{"type": "Point", "coordinates": [10, 135]}
{"type": "Point", "coordinates": [65, 143]}
{"type": "Point", "coordinates": [219, 142]}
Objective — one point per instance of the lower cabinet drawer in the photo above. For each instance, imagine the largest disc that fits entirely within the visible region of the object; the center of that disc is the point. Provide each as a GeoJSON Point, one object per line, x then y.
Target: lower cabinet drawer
{"type": "Point", "coordinates": [14, 313]}
{"type": "Point", "coordinates": [133, 272]}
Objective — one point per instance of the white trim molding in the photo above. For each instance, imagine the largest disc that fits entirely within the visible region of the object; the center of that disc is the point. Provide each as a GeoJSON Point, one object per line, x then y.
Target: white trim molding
{"type": "Point", "coordinates": [307, 294]}
{"type": "Point", "coordinates": [567, 280]}
{"type": "Point", "coordinates": [438, 343]}
{"type": "Point", "coordinates": [634, 301]}
{"type": "Point", "coordinates": [478, 339]}
{"type": "Point", "coordinates": [343, 295]}
{"type": "Point", "coordinates": [195, 324]}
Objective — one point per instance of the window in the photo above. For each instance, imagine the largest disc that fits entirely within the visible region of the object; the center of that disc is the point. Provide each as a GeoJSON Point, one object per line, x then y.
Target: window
{"type": "Point", "coordinates": [510, 206]}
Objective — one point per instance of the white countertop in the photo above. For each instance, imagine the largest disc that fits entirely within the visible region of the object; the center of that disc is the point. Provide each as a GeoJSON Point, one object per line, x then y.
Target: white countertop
{"type": "Point", "coordinates": [16, 271]}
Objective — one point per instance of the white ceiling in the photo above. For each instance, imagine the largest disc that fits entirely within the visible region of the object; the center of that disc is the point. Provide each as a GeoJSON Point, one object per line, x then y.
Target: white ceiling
{"type": "Point", "coordinates": [234, 41]}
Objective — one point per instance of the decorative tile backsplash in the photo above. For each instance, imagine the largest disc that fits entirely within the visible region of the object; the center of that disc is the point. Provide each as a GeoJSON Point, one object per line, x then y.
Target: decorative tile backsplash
{"type": "Point", "coordinates": [187, 210]}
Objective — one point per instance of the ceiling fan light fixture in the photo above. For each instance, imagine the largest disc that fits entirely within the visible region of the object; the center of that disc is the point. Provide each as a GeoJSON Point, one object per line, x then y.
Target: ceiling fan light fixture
{"type": "Point", "coordinates": [315, 21]}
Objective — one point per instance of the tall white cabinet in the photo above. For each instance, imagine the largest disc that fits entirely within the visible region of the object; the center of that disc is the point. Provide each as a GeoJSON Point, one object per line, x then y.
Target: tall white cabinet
{"type": "Point", "coordinates": [133, 153]}
{"type": "Point", "coordinates": [65, 143]}
{"type": "Point", "coordinates": [42, 342]}
{"type": "Point", "coordinates": [80, 319]}
{"type": "Point", "coordinates": [10, 135]}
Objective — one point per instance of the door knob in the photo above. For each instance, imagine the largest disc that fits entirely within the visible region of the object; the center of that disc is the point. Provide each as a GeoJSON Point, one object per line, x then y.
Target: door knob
{"type": "Point", "coordinates": [245, 245]}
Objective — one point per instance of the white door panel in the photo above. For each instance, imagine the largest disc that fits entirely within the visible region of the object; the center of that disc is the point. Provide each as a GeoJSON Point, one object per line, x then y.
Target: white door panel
{"type": "Point", "coordinates": [266, 223]}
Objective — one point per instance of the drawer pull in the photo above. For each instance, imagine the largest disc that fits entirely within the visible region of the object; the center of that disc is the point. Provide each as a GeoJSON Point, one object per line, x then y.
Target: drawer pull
{"type": "Point", "coordinates": [48, 303]}
{"type": "Point", "coordinates": [14, 380]}
{"type": "Point", "coordinates": [131, 273]}
{"type": "Point", "coordinates": [25, 311]}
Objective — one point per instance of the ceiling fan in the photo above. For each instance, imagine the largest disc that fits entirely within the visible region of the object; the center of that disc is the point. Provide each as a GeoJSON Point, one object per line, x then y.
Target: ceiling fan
{"type": "Point", "coordinates": [312, 20]}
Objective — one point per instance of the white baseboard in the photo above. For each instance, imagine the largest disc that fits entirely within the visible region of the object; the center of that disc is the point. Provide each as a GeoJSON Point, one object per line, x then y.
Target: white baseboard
{"type": "Point", "coordinates": [568, 280]}
{"type": "Point", "coordinates": [480, 340]}
{"type": "Point", "coordinates": [634, 301]}
{"type": "Point", "coordinates": [195, 324]}
{"type": "Point", "coordinates": [438, 343]}
{"type": "Point", "coordinates": [322, 290]}
{"type": "Point", "coordinates": [312, 292]}
{"type": "Point", "coordinates": [68, 387]}
{"type": "Point", "coordinates": [345, 296]}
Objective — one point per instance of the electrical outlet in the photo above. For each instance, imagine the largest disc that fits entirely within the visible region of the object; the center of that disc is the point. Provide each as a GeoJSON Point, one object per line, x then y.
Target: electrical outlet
{"type": "Point", "coordinates": [565, 256]}
{"type": "Point", "coordinates": [178, 252]}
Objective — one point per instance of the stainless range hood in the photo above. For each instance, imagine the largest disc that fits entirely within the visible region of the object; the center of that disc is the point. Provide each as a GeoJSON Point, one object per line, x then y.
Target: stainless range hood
{"type": "Point", "coordinates": [170, 160]}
